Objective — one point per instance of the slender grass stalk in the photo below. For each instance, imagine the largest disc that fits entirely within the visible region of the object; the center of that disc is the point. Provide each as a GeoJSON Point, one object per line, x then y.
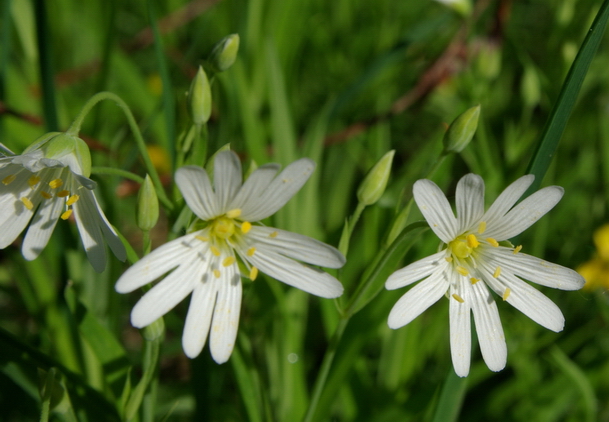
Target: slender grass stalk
{"type": "Point", "coordinates": [45, 62]}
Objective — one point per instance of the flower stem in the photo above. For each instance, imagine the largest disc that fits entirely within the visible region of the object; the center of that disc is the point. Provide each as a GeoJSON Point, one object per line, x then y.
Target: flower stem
{"type": "Point", "coordinates": [117, 172]}
{"type": "Point", "coordinates": [324, 371]}
{"type": "Point", "coordinates": [139, 140]}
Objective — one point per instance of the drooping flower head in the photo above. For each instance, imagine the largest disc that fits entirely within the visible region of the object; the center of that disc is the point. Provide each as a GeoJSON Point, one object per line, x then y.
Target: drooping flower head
{"type": "Point", "coordinates": [49, 181]}
{"type": "Point", "coordinates": [222, 245]}
{"type": "Point", "coordinates": [476, 258]}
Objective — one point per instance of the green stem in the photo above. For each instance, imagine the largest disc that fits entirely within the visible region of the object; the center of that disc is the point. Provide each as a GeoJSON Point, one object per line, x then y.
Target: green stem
{"type": "Point", "coordinates": [46, 66]}
{"type": "Point", "coordinates": [117, 172]}
{"type": "Point", "coordinates": [139, 140]}
{"type": "Point", "coordinates": [324, 370]}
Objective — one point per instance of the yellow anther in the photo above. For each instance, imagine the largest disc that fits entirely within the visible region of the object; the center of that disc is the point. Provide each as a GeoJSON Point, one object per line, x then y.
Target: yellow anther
{"type": "Point", "coordinates": [246, 226]}
{"type": "Point", "coordinates": [9, 179]}
{"type": "Point", "coordinates": [46, 195]}
{"type": "Point", "coordinates": [506, 294]}
{"type": "Point", "coordinates": [54, 184]}
{"type": "Point", "coordinates": [472, 241]}
{"type": "Point", "coordinates": [492, 241]}
{"type": "Point", "coordinates": [253, 273]}
{"type": "Point", "coordinates": [251, 251]}
{"type": "Point", "coordinates": [63, 193]}
{"type": "Point", "coordinates": [66, 215]}
{"type": "Point", "coordinates": [517, 249]}
{"type": "Point", "coordinates": [482, 227]}
{"type": "Point", "coordinates": [26, 201]}
{"type": "Point", "coordinates": [474, 280]}
{"type": "Point", "coordinates": [458, 298]}
{"type": "Point", "coordinates": [215, 251]}
{"type": "Point", "coordinates": [72, 200]}
{"type": "Point", "coordinates": [228, 261]}
{"type": "Point", "coordinates": [234, 213]}
{"type": "Point", "coordinates": [33, 180]}
{"type": "Point", "coordinates": [497, 272]}
{"type": "Point", "coordinates": [202, 238]}
{"type": "Point", "coordinates": [449, 259]}
{"type": "Point", "coordinates": [217, 273]}
{"type": "Point", "coordinates": [461, 270]}
{"type": "Point", "coordinates": [273, 235]}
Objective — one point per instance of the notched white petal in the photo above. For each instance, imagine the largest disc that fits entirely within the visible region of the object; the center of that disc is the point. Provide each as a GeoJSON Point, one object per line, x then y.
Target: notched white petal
{"type": "Point", "coordinates": [281, 189]}
{"type": "Point", "coordinates": [525, 214]}
{"type": "Point", "coordinates": [416, 271]}
{"type": "Point", "coordinates": [297, 246]}
{"type": "Point", "coordinates": [460, 327]}
{"type": "Point", "coordinates": [198, 319]}
{"type": "Point", "coordinates": [227, 177]}
{"type": "Point", "coordinates": [435, 208]}
{"type": "Point", "coordinates": [418, 299]}
{"type": "Point", "coordinates": [225, 320]}
{"type": "Point", "coordinates": [488, 327]}
{"type": "Point", "coordinates": [506, 200]}
{"type": "Point", "coordinates": [253, 188]}
{"type": "Point", "coordinates": [470, 201]}
{"type": "Point", "coordinates": [539, 271]}
{"type": "Point", "coordinates": [197, 191]}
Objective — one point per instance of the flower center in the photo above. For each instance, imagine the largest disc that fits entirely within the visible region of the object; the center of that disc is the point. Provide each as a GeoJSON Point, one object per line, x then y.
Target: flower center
{"type": "Point", "coordinates": [463, 246]}
{"type": "Point", "coordinates": [222, 227]}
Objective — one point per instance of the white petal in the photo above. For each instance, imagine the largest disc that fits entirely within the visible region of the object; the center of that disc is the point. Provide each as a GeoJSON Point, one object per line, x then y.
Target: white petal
{"type": "Point", "coordinates": [279, 191]}
{"type": "Point", "coordinates": [295, 274]}
{"type": "Point", "coordinates": [253, 188]}
{"type": "Point", "coordinates": [539, 271]}
{"type": "Point", "coordinates": [41, 228]}
{"type": "Point", "coordinates": [507, 199]}
{"type": "Point", "coordinates": [297, 246]}
{"type": "Point", "coordinates": [198, 194]}
{"type": "Point", "coordinates": [88, 222]}
{"type": "Point", "coordinates": [470, 201]}
{"type": "Point", "coordinates": [418, 299]}
{"type": "Point", "coordinates": [226, 314]}
{"type": "Point", "coordinates": [533, 303]}
{"type": "Point", "coordinates": [460, 327]}
{"type": "Point", "coordinates": [114, 242]}
{"type": "Point", "coordinates": [157, 263]}
{"type": "Point", "coordinates": [166, 294]}
{"type": "Point", "coordinates": [435, 208]}
{"type": "Point", "coordinates": [488, 327]}
{"type": "Point", "coordinates": [227, 177]}
{"type": "Point", "coordinates": [16, 218]}
{"type": "Point", "coordinates": [198, 319]}
{"type": "Point", "coordinates": [525, 214]}
{"type": "Point", "coordinates": [416, 271]}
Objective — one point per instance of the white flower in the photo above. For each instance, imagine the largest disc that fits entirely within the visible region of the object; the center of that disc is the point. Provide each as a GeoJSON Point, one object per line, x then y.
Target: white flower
{"type": "Point", "coordinates": [474, 260]}
{"type": "Point", "coordinates": [47, 182]}
{"type": "Point", "coordinates": [206, 261]}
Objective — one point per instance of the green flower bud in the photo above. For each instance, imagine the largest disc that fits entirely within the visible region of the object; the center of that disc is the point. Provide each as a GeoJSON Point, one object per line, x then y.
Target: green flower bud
{"type": "Point", "coordinates": [199, 98]}
{"type": "Point", "coordinates": [374, 184]}
{"type": "Point", "coordinates": [147, 205]}
{"type": "Point", "coordinates": [462, 130]}
{"type": "Point", "coordinates": [68, 149]}
{"type": "Point", "coordinates": [155, 330]}
{"type": "Point", "coordinates": [224, 53]}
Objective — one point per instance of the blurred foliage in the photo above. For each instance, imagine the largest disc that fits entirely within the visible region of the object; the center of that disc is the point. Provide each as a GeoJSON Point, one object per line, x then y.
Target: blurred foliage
{"type": "Point", "coordinates": [342, 82]}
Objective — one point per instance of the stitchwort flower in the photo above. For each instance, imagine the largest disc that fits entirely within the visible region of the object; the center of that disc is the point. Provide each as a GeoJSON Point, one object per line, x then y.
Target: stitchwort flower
{"type": "Point", "coordinates": [222, 244]}
{"type": "Point", "coordinates": [476, 257]}
{"type": "Point", "coordinates": [49, 181]}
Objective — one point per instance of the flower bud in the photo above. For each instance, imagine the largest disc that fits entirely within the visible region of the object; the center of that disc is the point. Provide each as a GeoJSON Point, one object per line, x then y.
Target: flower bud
{"type": "Point", "coordinates": [199, 98]}
{"type": "Point", "coordinates": [224, 53]}
{"type": "Point", "coordinates": [147, 205]}
{"type": "Point", "coordinates": [374, 184]}
{"type": "Point", "coordinates": [462, 130]}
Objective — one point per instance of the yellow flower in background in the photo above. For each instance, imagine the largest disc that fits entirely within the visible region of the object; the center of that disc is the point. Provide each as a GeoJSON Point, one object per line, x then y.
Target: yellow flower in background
{"type": "Point", "coordinates": [596, 271]}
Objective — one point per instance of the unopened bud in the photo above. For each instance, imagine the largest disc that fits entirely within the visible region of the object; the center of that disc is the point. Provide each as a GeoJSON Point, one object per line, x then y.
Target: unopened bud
{"type": "Point", "coordinates": [462, 130]}
{"type": "Point", "coordinates": [199, 98]}
{"type": "Point", "coordinates": [373, 186]}
{"type": "Point", "coordinates": [224, 53]}
{"type": "Point", "coordinates": [147, 205]}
